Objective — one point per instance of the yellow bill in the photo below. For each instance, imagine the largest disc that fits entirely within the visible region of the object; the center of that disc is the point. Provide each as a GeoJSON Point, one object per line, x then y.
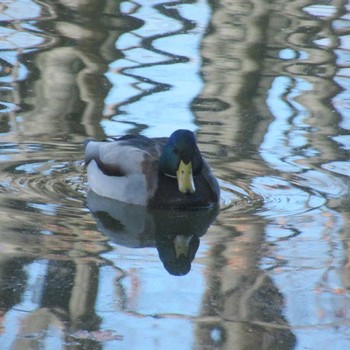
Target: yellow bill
{"type": "Point", "coordinates": [185, 178]}
{"type": "Point", "coordinates": [181, 244]}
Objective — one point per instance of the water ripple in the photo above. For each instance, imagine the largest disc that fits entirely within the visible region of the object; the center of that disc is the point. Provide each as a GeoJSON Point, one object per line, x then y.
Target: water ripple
{"type": "Point", "coordinates": [47, 182]}
{"type": "Point", "coordinates": [161, 66]}
{"type": "Point", "coordinates": [60, 182]}
{"type": "Point", "coordinates": [237, 199]}
{"type": "Point", "coordinates": [19, 35]}
{"type": "Point", "coordinates": [283, 198]}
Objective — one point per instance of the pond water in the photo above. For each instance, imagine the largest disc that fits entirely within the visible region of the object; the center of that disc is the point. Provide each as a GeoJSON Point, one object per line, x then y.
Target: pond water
{"type": "Point", "coordinates": [265, 85]}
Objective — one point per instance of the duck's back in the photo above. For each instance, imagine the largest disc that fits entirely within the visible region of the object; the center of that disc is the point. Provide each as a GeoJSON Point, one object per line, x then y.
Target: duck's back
{"type": "Point", "coordinates": [124, 169]}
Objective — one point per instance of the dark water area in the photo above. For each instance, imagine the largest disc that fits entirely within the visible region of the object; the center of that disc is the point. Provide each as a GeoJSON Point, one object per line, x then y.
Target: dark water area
{"type": "Point", "coordinates": [265, 86]}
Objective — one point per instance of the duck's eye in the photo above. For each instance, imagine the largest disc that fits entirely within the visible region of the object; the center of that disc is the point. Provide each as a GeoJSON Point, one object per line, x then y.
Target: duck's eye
{"type": "Point", "coordinates": [175, 150]}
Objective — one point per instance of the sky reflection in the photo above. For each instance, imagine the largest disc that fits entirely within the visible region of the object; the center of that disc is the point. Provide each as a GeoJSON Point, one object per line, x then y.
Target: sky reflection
{"type": "Point", "coordinates": [161, 64]}
{"type": "Point", "coordinates": [265, 85]}
{"type": "Point", "coordinates": [285, 142]}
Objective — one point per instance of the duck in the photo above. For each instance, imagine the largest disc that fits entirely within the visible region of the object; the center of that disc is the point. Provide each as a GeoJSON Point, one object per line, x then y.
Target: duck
{"type": "Point", "coordinates": [153, 172]}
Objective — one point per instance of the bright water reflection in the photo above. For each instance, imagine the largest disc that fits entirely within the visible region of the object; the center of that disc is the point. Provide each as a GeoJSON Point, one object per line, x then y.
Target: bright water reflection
{"type": "Point", "coordinates": [266, 88]}
{"type": "Point", "coordinates": [159, 74]}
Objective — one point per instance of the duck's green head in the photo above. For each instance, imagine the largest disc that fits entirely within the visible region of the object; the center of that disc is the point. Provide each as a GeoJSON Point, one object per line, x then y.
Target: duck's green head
{"type": "Point", "coordinates": [182, 159]}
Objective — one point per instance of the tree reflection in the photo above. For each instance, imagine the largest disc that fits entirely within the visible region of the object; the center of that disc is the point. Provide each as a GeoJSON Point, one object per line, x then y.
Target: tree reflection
{"type": "Point", "coordinates": [272, 117]}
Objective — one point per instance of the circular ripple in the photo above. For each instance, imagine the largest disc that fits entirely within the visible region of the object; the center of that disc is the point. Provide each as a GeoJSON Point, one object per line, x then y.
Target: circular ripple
{"type": "Point", "coordinates": [45, 180]}
{"type": "Point", "coordinates": [66, 182]}
{"type": "Point", "coordinates": [283, 198]}
{"type": "Point", "coordinates": [238, 199]}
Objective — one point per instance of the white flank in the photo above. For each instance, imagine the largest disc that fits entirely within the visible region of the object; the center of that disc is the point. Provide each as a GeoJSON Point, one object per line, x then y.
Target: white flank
{"type": "Point", "coordinates": [130, 189]}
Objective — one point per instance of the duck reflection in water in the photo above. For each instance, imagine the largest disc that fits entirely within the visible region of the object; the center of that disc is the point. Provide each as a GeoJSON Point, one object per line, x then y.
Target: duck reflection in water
{"type": "Point", "coordinates": [175, 233]}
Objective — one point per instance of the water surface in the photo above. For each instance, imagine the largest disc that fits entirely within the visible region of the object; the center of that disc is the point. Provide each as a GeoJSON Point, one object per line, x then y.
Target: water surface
{"type": "Point", "coordinates": [265, 87]}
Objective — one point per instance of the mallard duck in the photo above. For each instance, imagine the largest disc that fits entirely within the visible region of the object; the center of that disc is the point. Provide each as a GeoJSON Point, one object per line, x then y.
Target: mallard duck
{"type": "Point", "coordinates": [153, 172]}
